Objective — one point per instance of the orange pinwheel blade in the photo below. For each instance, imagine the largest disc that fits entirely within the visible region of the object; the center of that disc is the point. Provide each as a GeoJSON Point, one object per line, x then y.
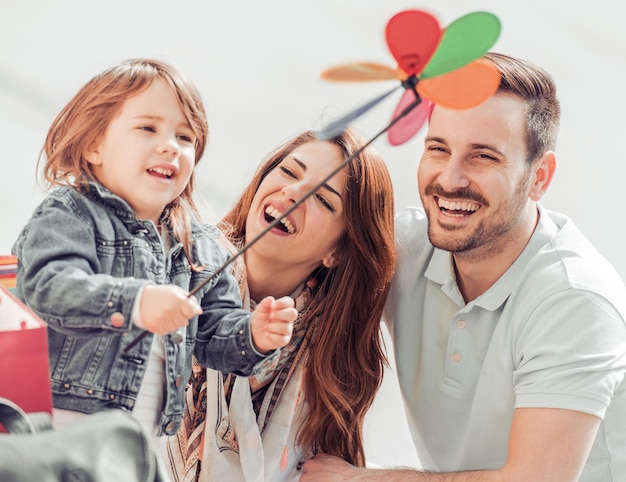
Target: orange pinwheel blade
{"type": "Point", "coordinates": [462, 88]}
{"type": "Point", "coordinates": [360, 72]}
{"type": "Point", "coordinates": [413, 37]}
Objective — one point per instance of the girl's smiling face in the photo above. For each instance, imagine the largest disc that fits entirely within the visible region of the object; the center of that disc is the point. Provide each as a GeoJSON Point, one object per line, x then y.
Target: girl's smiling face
{"type": "Point", "coordinates": [309, 235]}
{"type": "Point", "coordinates": [147, 153]}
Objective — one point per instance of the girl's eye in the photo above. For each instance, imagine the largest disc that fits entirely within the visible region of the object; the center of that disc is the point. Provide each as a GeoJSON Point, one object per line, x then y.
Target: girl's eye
{"type": "Point", "coordinates": [148, 128]}
{"type": "Point", "coordinates": [186, 138]}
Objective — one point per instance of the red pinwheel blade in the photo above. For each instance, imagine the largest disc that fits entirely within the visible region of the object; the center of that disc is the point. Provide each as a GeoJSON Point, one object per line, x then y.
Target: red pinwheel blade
{"type": "Point", "coordinates": [408, 126]}
{"type": "Point", "coordinates": [462, 88]}
{"type": "Point", "coordinates": [464, 40]}
{"type": "Point", "coordinates": [360, 72]}
{"type": "Point", "coordinates": [412, 37]}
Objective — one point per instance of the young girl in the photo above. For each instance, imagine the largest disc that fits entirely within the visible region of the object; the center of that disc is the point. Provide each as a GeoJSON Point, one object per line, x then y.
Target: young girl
{"type": "Point", "coordinates": [335, 256]}
{"type": "Point", "coordinates": [117, 247]}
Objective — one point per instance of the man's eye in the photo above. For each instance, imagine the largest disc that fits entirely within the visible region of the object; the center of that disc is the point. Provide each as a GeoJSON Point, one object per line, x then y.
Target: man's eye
{"type": "Point", "coordinates": [436, 148]}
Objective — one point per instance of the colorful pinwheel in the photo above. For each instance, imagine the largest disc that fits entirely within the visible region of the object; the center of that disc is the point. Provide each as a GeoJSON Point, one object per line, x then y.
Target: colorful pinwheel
{"type": "Point", "coordinates": [435, 65]}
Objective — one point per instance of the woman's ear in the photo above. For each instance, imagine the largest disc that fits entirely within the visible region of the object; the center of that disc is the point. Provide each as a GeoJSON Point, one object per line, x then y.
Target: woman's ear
{"type": "Point", "coordinates": [542, 174]}
{"type": "Point", "coordinates": [329, 261]}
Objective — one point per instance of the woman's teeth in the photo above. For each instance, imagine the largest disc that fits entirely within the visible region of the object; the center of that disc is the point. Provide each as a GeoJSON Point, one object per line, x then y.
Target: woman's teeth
{"type": "Point", "coordinates": [286, 224]}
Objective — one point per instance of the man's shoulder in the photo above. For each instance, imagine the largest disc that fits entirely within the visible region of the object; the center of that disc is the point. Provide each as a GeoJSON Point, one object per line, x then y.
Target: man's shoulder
{"type": "Point", "coordinates": [569, 261]}
{"type": "Point", "coordinates": [411, 223]}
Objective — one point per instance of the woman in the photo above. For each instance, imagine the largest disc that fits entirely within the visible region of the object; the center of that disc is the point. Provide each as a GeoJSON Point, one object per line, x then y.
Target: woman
{"type": "Point", "coordinates": [334, 254]}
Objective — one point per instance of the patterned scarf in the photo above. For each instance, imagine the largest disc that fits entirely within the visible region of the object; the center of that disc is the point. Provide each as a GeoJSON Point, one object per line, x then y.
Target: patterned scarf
{"type": "Point", "coordinates": [267, 386]}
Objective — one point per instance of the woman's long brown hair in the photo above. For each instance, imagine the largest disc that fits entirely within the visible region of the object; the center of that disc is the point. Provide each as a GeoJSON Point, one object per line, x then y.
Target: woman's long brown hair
{"type": "Point", "coordinates": [87, 115]}
{"type": "Point", "coordinates": [346, 360]}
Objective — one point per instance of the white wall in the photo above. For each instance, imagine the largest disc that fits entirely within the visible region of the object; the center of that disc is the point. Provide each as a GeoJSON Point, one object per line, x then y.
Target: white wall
{"type": "Point", "coordinates": [257, 64]}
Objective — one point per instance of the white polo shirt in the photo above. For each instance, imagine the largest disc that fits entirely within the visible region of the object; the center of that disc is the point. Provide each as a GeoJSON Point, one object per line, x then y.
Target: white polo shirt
{"type": "Point", "coordinates": [550, 332]}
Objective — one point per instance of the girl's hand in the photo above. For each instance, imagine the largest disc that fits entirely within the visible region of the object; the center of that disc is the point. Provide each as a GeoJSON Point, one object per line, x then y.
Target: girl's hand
{"type": "Point", "coordinates": [272, 323]}
{"type": "Point", "coordinates": [165, 308]}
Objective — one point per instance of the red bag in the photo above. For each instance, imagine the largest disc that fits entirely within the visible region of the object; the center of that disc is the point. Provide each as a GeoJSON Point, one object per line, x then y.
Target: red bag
{"type": "Point", "coordinates": [24, 364]}
{"type": "Point", "coordinates": [8, 269]}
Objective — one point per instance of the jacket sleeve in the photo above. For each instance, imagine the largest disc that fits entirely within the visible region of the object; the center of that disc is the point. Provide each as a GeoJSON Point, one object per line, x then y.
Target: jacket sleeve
{"type": "Point", "coordinates": [60, 275]}
{"type": "Point", "coordinates": [224, 340]}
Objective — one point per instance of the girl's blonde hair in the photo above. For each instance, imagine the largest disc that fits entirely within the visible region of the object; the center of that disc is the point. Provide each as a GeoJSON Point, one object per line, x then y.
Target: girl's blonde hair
{"type": "Point", "coordinates": [87, 115]}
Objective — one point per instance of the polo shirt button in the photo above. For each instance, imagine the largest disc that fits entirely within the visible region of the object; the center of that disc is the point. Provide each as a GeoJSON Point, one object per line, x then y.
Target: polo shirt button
{"type": "Point", "coordinates": [460, 324]}
{"type": "Point", "coordinates": [117, 320]}
{"type": "Point", "coordinates": [456, 356]}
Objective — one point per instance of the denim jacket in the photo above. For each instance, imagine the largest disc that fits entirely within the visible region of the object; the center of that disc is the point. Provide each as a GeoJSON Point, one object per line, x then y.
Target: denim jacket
{"type": "Point", "coordinates": [82, 259]}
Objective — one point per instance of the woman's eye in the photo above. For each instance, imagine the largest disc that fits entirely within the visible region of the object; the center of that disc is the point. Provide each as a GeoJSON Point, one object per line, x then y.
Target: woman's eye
{"type": "Point", "coordinates": [325, 203]}
{"type": "Point", "coordinates": [148, 128]}
{"type": "Point", "coordinates": [288, 172]}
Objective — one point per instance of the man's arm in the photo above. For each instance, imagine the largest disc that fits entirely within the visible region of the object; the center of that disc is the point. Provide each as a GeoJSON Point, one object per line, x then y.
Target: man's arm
{"type": "Point", "coordinates": [545, 444]}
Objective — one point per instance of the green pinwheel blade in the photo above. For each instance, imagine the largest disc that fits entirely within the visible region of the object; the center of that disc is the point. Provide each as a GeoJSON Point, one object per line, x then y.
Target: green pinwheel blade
{"type": "Point", "coordinates": [464, 40]}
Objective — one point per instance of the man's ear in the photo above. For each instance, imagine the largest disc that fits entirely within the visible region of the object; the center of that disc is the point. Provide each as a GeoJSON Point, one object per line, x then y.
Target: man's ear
{"type": "Point", "coordinates": [92, 154]}
{"type": "Point", "coordinates": [542, 174]}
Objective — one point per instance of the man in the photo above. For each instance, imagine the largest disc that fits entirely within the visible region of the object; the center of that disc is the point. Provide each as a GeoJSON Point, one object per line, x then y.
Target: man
{"type": "Point", "coordinates": [509, 328]}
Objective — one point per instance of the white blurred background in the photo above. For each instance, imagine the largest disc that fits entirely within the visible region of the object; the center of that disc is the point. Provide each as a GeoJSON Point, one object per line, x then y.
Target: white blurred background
{"type": "Point", "coordinates": [257, 65]}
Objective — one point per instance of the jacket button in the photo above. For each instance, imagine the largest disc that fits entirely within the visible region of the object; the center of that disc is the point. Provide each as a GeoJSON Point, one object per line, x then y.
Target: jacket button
{"type": "Point", "coordinates": [66, 386]}
{"type": "Point", "coordinates": [117, 320]}
{"type": "Point", "coordinates": [111, 397]}
{"type": "Point", "coordinates": [169, 428]}
{"type": "Point", "coordinates": [90, 392]}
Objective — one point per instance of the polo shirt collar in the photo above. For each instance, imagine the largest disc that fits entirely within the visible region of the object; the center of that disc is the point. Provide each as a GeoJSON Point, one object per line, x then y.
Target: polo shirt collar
{"type": "Point", "coordinates": [440, 269]}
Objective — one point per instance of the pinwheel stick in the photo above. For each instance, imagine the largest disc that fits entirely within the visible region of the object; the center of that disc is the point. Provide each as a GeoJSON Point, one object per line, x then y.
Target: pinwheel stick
{"type": "Point", "coordinates": [337, 127]}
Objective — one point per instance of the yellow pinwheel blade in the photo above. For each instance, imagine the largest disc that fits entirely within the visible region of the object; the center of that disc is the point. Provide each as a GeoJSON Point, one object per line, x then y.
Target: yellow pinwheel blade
{"type": "Point", "coordinates": [360, 72]}
{"type": "Point", "coordinates": [462, 88]}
